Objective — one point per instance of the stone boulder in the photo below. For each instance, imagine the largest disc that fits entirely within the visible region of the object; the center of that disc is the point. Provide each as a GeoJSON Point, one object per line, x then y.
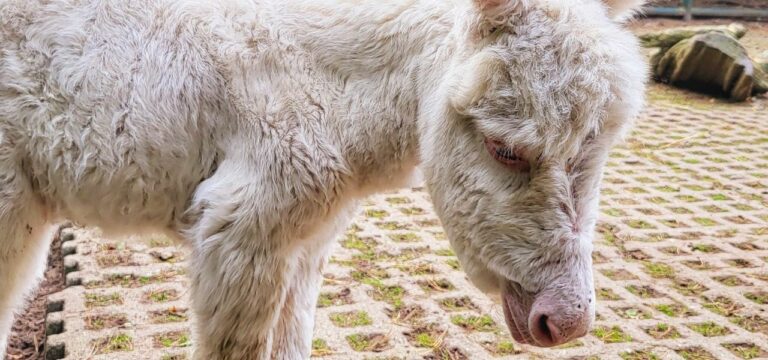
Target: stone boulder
{"type": "Point", "coordinates": [665, 39]}
{"type": "Point", "coordinates": [713, 62]}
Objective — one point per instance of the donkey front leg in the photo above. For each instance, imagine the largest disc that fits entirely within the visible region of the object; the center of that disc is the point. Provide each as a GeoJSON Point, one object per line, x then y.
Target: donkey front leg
{"type": "Point", "coordinates": [238, 289]}
{"type": "Point", "coordinates": [240, 272]}
{"type": "Point", "coordinates": [293, 335]}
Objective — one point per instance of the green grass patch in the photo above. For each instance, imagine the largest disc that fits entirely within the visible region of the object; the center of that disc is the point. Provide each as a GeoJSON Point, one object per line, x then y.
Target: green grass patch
{"type": "Point", "coordinates": [662, 331]}
{"type": "Point", "coordinates": [368, 342]}
{"type": "Point", "coordinates": [659, 270]}
{"type": "Point", "coordinates": [102, 300]}
{"type": "Point", "coordinates": [611, 335]}
{"type": "Point", "coordinates": [475, 323]}
{"type": "Point", "coordinates": [173, 339]}
{"type": "Point", "coordinates": [115, 343]}
{"type": "Point", "coordinates": [405, 237]}
{"type": "Point", "coordinates": [607, 294]}
{"type": "Point", "coordinates": [758, 297]}
{"type": "Point", "coordinates": [172, 315]}
{"type": "Point", "coordinates": [376, 214]}
{"type": "Point", "coordinates": [161, 296]}
{"type": "Point", "coordinates": [746, 350]}
{"type": "Point", "coordinates": [350, 319]}
{"type": "Point", "coordinates": [320, 348]}
{"type": "Point", "coordinates": [709, 329]}
{"type": "Point", "coordinates": [695, 353]}
{"type": "Point", "coordinates": [638, 355]}
{"type": "Point", "coordinates": [674, 310]}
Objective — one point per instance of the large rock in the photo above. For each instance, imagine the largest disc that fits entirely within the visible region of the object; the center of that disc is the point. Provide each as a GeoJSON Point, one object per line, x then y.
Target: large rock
{"type": "Point", "coordinates": [762, 61]}
{"type": "Point", "coordinates": [712, 62]}
{"type": "Point", "coordinates": [668, 38]}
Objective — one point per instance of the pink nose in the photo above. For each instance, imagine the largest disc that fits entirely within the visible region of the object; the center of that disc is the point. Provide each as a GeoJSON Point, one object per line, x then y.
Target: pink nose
{"type": "Point", "coordinates": [552, 329]}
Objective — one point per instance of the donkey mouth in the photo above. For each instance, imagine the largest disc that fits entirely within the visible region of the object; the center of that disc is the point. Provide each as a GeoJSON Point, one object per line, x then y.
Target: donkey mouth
{"type": "Point", "coordinates": [518, 329]}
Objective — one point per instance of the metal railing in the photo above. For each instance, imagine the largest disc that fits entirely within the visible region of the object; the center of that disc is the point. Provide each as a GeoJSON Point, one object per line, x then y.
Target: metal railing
{"type": "Point", "coordinates": [688, 11]}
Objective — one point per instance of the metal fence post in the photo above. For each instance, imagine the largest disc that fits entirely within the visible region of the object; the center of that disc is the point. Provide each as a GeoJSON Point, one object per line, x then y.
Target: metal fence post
{"type": "Point", "coordinates": [688, 4]}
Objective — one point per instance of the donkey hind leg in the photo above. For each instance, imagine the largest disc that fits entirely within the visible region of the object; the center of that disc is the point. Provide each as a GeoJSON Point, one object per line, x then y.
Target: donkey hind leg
{"type": "Point", "coordinates": [293, 334]}
{"type": "Point", "coordinates": [24, 239]}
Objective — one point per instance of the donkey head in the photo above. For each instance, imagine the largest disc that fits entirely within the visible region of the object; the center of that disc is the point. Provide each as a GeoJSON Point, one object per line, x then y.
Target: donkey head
{"type": "Point", "coordinates": [513, 147]}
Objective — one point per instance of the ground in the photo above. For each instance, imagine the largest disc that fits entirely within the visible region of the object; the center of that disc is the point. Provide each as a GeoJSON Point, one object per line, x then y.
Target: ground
{"type": "Point", "coordinates": [681, 262]}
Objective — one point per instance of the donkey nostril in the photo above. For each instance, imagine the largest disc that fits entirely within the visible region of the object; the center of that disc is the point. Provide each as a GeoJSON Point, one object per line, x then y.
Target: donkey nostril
{"type": "Point", "coordinates": [545, 332]}
{"type": "Point", "coordinates": [544, 327]}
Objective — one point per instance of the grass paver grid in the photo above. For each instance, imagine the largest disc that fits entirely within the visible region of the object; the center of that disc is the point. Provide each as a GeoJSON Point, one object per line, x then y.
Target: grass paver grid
{"type": "Point", "coordinates": [681, 266]}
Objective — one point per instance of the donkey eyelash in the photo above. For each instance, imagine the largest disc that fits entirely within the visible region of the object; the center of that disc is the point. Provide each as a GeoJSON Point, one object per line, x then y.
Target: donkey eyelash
{"type": "Point", "coordinates": [506, 155]}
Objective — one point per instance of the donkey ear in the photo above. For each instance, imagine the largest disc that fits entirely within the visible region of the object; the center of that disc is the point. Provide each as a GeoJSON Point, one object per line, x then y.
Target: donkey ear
{"type": "Point", "coordinates": [493, 9]}
{"type": "Point", "coordinates": [473, 80]}
{"type": "Point", "coordinates": [621, 10]}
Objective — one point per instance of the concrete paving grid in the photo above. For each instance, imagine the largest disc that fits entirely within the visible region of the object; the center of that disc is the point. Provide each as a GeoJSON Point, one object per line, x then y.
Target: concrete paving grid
{"type": "Point", "coordinates": [681, 266]}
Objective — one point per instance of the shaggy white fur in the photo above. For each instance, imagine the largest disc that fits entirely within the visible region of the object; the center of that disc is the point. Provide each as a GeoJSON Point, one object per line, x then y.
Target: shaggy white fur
{"type": "Point", "coordinates": [249, 128]}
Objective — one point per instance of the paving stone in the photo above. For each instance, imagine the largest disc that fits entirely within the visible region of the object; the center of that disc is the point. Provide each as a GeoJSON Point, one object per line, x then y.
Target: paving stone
{"type": "Point", "coordinates": [681, 266]}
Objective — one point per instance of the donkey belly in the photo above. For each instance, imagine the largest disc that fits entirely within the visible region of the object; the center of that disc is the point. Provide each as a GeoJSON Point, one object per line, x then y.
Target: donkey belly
{"type": "Point", "coordinates": [114, 119]}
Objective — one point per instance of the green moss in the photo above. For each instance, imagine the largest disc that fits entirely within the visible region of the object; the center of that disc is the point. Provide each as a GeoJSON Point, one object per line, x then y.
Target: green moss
{"type": "Point", "coordinates": [413, 211]}
{"type": "Point", "coordinates": [435, 285]}
{"type": "Point", "coordinates": [320, 348]}
{"type": "Point", "coordinates": [674, 310]}
{"type": "Point", "coordinates": [758, 297]}
{"type": "Point", "coordinates": [607, 294]}
{"type": "Point", "coordinates": [405, 237]}
{"type": "Point", "coordinates": [393, 225]}
{"type": "Point", "coordinates": [101, 300]}
{"type": "Point", "coordinates": [695, 353]}
{"type": "Point", "coordinates": [662, 331]}
{"type": "Point", "coordinates": [172, 339]}
{"type": "Point", "coordinates": [639, 355]}
{"type": "Point", "coordinates": [705, 221]}
{"type": "Point", "coordinates": [475, 323]}
{"type": "Point", "coordinates": [500, 348]}
{"type": "Point", "coordinates": [350, 319]}
{"type": "Point", "coordinates": [376, 214]}
{"type": "Point", "coordinates": [659, 270]}
{"type": "Point", "coordinates": [392, 295]}
{"type": "Point", "coordinates": [327, 299]}
{"type": "Point", "coordinates": [644, 291]}
{"type": "Point", "coordinates": [368, 342]}
{"type": "Point", "coordinates": [355, 242]}
{"type": "Point", "coordinates": [632, 313]}
{"type": "Point", "coordinates": [709, 329]}
{"type": "Point", "coordinates": [611, 335]}
{"type": "Point", "coordinates": [115, 343]}
{"type": "Point", "coordinates": [161, 296]}
{"type": "Point", "coordinates": [104, 321]}
{"type": "Point", "coordinates": [745, 351]}
{"type": "Point", "coordinates": [615, 212]}
{"type": "Point", "coordinates": [453, 263]}
{"type": "Point", "coordinates": [398, 200]}
{"type": "Point", "coordinates": [171, 315]}
{"type": "Point", "coordinates": [705, 248]}
{"type": "Point", "coordinates": [639, 224]}
{"type": "Point", "coordinates": [425, 340]}
{"type": "Point", "coordinates": [457, 304]}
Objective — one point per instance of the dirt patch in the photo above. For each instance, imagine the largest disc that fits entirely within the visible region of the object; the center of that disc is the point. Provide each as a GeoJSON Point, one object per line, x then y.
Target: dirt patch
{"type": "Point", "coordinates": [27, 340]}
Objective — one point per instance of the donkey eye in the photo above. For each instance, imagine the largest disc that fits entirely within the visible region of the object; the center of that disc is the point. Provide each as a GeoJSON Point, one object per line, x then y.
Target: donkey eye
{"type": "Point", "coordinates": [506, 155]}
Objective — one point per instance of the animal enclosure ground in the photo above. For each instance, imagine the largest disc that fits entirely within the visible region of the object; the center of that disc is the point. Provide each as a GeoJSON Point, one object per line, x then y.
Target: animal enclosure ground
{"type": "Point", "coordinates": [681, 264]}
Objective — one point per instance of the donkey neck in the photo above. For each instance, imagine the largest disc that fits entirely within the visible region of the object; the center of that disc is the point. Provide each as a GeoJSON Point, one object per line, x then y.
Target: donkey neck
{"type": "Point", "coordinates": [387, 57]}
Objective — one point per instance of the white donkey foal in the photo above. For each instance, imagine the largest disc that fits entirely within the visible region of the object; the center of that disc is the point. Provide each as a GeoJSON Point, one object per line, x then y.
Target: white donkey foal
{"type": "Point", "coordinates": [248, 128]}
